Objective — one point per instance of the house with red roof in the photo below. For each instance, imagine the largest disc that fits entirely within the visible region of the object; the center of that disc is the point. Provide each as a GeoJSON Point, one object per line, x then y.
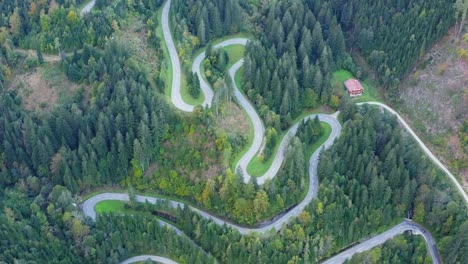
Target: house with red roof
{"type": "Point", "coordinates": [354, 87]}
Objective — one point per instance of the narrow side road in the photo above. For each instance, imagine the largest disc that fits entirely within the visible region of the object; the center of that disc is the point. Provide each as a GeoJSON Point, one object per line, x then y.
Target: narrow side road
{"type": "Point", "coordinates": [406, 225]}
{"type": "Point", "coordinates": [424, 147]}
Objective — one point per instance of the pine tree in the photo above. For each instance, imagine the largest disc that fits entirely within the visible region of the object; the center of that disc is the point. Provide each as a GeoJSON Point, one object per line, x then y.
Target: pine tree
{"type": "Point", "coordinates": [202, 32]}
{"type": "Point", "coordinates": [40, 58]}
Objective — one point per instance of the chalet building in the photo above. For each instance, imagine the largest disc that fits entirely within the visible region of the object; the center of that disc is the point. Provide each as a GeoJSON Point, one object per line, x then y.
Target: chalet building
{"type": "Point", "coordinates": [354, 87]}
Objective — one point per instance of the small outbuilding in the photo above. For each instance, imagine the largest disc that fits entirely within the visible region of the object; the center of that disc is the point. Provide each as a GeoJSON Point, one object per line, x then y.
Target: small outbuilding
{"type": "Point", "coordinates": [354, 87]}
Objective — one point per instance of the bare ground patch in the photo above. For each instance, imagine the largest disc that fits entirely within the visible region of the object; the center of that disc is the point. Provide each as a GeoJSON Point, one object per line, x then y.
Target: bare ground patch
{"type": "Point", "coordinates": [42, 87]}
{"type": "Point", "coordinates": [233, 121]}
{"type": "Point", "coordinates": [433, 98]}
{"type": "Point", "coordinates": [133, 33]}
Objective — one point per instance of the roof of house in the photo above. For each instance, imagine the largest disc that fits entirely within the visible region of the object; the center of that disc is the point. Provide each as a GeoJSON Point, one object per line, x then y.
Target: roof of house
{"type": "Point", "coordinates": [353, 85]}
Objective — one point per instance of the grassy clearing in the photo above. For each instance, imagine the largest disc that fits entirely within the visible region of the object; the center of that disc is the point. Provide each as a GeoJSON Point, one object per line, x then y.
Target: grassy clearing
{"type": "Point", "coordinates": [118, 207]}
{"type": "Point", "coordinates": [56, 79]}
{"type": "Point", "coordinates": [235, 35]}
{"type": "Point", "coordinates": [235, 52]}
{"type": "Point", "coordinates": [257, 168]}
{"type": "Point", "coordinates": [371, 93]}
{"type": "Point", "coordinates": [43, 87]}
{"type": "Point", "coordinates": [111, 207]}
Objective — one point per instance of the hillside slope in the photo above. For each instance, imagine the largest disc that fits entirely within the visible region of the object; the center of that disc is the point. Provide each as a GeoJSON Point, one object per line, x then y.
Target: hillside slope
{"type": "Point", "coordinates": [434, 97]}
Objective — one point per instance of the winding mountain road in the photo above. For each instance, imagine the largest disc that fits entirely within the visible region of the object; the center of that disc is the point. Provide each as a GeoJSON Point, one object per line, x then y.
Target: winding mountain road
{"type": "Point", "coordinates": [89, 205]}
{"type": "Point", "coordinates": [196, 67]}
{"type": "Point", "coordinates": [176, 95]}
{"type": "Point", "coordinates": [259, 129]}
{"type": "Point", "coordinates": [406, 225]}
{"type": "Point", "coordinates": [176, 98]}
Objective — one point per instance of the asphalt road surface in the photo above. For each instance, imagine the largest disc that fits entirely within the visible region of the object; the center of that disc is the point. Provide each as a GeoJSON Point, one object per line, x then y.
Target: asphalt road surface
{"type": "Point", "coordinates": [259, 129]}
{"type": "Point", "coordinates": [88, 7]}
{"type": "Point", "coordinates": [176, 95]}
{"type": "Point", "coordinates": [196, 67]}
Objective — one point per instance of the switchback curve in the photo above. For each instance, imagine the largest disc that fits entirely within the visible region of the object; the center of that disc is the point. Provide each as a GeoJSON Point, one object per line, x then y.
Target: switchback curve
{"type": "Point", "coordinates": [405, 226]}
{"type": "Point", "coordinates": [89, 205]}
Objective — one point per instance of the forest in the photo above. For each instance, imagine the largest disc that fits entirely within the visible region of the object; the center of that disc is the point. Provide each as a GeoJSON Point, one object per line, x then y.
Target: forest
{"type": "Point", "coordinates": [289, 69]}
{"type": "Point", "coordinates": [352, 203]}
{"type": "Point", "coordinates": [119, 131]}
{"type": "Point", "coordinates": [392, 35]}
